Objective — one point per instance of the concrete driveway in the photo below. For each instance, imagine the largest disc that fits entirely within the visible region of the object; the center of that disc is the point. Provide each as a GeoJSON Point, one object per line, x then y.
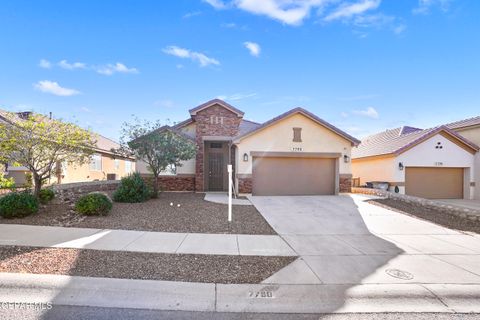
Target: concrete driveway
{"type": "Point", "coordinates": [344, 240]}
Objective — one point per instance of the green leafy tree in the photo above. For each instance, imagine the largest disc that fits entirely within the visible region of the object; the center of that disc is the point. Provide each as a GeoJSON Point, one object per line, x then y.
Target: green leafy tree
{"type": "Point", "coordinates": [160, 147]}
{"type": "Point", "coordinates": [40, 144]}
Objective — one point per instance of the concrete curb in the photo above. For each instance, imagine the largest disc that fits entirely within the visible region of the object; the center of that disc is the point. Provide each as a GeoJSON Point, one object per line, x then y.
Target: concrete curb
{"type": "Point", "coordinates": [167, 295]}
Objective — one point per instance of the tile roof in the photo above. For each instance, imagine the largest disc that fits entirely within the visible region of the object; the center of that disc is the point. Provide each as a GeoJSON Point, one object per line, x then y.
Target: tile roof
{"type": "Point", "coordinates": [398, 140]}
{"type": "Point", "coordinates": [474, 121]}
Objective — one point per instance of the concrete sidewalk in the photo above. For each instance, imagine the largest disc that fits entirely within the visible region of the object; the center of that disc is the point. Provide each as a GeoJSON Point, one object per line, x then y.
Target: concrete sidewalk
{"type": "Point", "coordinates": [143, 241]}
{"type": "Point", "coordinates": [222, 197]}
{"type": "Point", "coordinates": [165, 295]}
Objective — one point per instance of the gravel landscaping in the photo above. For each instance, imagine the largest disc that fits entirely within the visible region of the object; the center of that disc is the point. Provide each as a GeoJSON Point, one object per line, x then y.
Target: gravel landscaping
{"type": "Point", "coordinates": [189, 213]}
{"type": "Point", "coordinates": [137, 265]}
{"type": "Point", "coordinates": [436, 216]}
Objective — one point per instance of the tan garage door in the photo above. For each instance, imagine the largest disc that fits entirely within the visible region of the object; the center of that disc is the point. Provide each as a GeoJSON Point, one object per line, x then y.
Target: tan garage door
{"type": "Point", "coordinates": [293, 176]}
{"type": "Point", "coordinates": [434, 183]}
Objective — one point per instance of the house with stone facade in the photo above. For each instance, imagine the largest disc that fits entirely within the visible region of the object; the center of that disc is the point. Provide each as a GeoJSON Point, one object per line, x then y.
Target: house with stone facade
{"type": "Point", "coordinates": [296, 153]}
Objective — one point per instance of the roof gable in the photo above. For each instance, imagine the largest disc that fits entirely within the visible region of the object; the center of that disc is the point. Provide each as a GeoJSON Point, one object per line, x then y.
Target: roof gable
{"type": "Point", "coordinates": [394, 143]}
{"type": "Point", "coordinates": [219, 102]}
{"type": "Point", "coordinates": [305, 113]}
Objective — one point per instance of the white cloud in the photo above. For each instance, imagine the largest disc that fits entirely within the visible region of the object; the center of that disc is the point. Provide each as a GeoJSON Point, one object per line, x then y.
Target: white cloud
{"type": "Point", "coordinates": [348, 10]}
{"type": "Point", "coordinates": [344, 114]}
{"type": "Point", "coordinates": [399, 29]}
{"type": "Point", "coordinates": [45, 64]}
{"type": "Point", "coordinates": [191, 14]}
{"type": "Point", "coordinates": [253, 47]}
{"type": "Point", "coordinates": [165, 103]}
{"type": "Point", "coordinates": [54, 88]}
{"type": "Point", "coordinates": [118, 67]}
{"type": "Point", "coordinates": [286, 11]}
{"type": "Point", "coordinates": [369, 112]}
{"type": "Point", "coordinates": [237, 96]}
{"type": "Point", "coordinates": [85, 109]}
{"type": "Point", "coordinates": [217, 4]}
{"type": "Point", "coordinates": [198, 57]}
{"type": "Point", "coordinates": [424, 6]}
{"type": "Point", "coordinates": [71, 66]}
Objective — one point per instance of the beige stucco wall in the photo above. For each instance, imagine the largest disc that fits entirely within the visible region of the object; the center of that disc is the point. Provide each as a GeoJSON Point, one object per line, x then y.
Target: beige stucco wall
{"type": "Point", "coordinates": [81, 173]}
{"type": "Point", "coordinates": [473, 134]}
{"type": "Point", "coordinates": [190, 129]}
{"type": "Point", "coordinates": [382, 169]}
{"type": "Point", "coordinates": [278, 138]}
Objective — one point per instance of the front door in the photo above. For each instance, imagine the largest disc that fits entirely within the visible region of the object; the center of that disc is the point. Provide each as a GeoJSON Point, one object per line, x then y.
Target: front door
{"type": "Point", "coordinates": [216, 166]}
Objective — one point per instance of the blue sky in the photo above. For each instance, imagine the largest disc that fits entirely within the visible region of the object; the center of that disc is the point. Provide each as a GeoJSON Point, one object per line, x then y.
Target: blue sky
{"type": "Point", "coordinates": [363, 65]}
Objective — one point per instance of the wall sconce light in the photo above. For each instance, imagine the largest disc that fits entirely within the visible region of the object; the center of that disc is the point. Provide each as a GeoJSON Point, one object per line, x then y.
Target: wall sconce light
{"type": "Point", "coordinates": [245, 157]}
{"type": "Point", "coordinates": [346, 159]}
{"type": "Point", "coordinates": [400, 166]}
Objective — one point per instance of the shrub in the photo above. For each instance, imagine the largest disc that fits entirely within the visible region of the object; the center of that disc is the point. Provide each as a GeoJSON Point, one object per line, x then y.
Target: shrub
{"type": "Point", "coordinates": [18, 205]}
{"type": "Point", "coordinates": [93, 204]}
{"type": "Point", "coordinates": [46, 195]}
{"type": "Point", "coordinates": [6, 183]}
{"type": "Point", "coordinates": [132, 189]}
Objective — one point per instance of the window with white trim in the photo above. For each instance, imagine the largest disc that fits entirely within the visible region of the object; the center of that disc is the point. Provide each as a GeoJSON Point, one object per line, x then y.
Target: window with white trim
{"type": "Point", "coordinates": [96, 163]}
{"type": "Point", "coordinates": [128, 166]}
{"type": "Point", "coordinates": [116, 163]}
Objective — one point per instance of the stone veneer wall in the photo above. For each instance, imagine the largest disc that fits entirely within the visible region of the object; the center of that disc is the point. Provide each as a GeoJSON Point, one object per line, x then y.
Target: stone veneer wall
{"type": "Point", "coordinates": [345, 183]}
{"type": "Point", "coordinates": [173, 183]}
{"type": "Point", "coordinates": [204, 127]}
{"type": "Point", "coordinates": [245, 185]}
{"type": "Point", "coordinates": [71, 191]}
{"type": "Point", "coordinates": [461, 212]}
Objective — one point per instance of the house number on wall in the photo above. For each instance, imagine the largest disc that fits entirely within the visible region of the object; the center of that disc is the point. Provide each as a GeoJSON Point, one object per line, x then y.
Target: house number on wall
{"type": "Point", "coordinates": [260, 294]}
{"type": "Point", "coordinates": [297, 149]}
{"type": "Point", "coordinates": [439, 164]}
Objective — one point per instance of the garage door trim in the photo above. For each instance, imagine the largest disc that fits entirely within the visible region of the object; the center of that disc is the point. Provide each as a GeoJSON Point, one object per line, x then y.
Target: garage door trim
{"type": "Point", "coordinates": [273, 154]}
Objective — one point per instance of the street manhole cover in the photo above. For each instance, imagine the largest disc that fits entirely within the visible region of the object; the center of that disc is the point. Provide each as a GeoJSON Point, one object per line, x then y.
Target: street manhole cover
{"type": "Point", "coordinates": [400, 274]}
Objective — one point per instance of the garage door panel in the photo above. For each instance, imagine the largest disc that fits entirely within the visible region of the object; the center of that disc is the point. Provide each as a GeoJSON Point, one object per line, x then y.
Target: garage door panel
{"type": "Point", "coordinates": [293, 176]}
{"type": "Point", "coordinates": [434, 183]}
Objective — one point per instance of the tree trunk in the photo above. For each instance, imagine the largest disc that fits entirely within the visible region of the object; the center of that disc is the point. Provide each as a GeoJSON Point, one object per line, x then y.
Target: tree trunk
{"type": "Point", "coordinates": [155, 186]}
{"type": "Point", "coordinates": [37, 185]}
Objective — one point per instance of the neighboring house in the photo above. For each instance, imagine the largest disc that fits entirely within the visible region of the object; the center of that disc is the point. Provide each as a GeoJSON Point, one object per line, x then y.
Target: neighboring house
{"type": "Point", "coordinates": [470, 129]}
{"type": "Point", "coordinates": [434, 163]}
{"type": "Point", "coordinates": [296, 153]}
{"type": "Point", "coordinates": [104, 164]}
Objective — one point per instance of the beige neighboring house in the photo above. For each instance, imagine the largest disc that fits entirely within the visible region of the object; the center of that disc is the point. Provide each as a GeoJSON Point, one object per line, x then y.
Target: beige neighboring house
{"type": "Point", "coordinates": [436, 163]}
{"type": "Point", "coordinates": [104, 164]}
{"type": "Point", "coordinates": [470, 129]}
{"type": "Point", "coordinates": [296, 153]}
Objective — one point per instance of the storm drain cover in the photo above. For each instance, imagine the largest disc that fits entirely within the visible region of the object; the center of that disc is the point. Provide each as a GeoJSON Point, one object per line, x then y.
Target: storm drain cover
{"type": "Point", "coordinates": [400, 274]}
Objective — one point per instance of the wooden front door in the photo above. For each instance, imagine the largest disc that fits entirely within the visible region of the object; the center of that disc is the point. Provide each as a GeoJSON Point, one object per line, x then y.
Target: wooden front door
{"type": "Point", "coordinates": [216, 166]}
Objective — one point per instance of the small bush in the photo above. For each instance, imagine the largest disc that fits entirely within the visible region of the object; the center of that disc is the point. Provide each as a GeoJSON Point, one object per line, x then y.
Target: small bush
{"type": "Point", "coordinates": [18, 205]}
{"type": "Point", "coordinates": [132, 189]}
{"type": "Point", "coordinates": [93, 204]}
{"type": "Point", "coordinates": [46, 195]}
{"type": "Point", "coordinates": [6, 183]}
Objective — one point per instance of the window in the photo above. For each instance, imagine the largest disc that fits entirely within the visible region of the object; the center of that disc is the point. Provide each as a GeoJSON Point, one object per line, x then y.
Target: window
{"type": "Point", "coordinates": [96, 163]}
{"type": "Point", "coordinates": [116, 163]}
{"type": "Point", "coordinates": [216, 120]}
{"type": "Point", "coordinates": [216, 145]}
{"type": "Point", "coordinates": [128, 166]}
{"type": "Point", "coordinates": [297, 134]}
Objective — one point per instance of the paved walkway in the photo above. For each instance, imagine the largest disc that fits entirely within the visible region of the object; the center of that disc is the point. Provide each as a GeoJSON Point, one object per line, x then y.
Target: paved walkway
{"type": "Point", "coordinates": [220, 197]}
{"type": "Point", "coordinates": [344, 240]}
{"type": "Point", "coordinates": [142, 241]}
